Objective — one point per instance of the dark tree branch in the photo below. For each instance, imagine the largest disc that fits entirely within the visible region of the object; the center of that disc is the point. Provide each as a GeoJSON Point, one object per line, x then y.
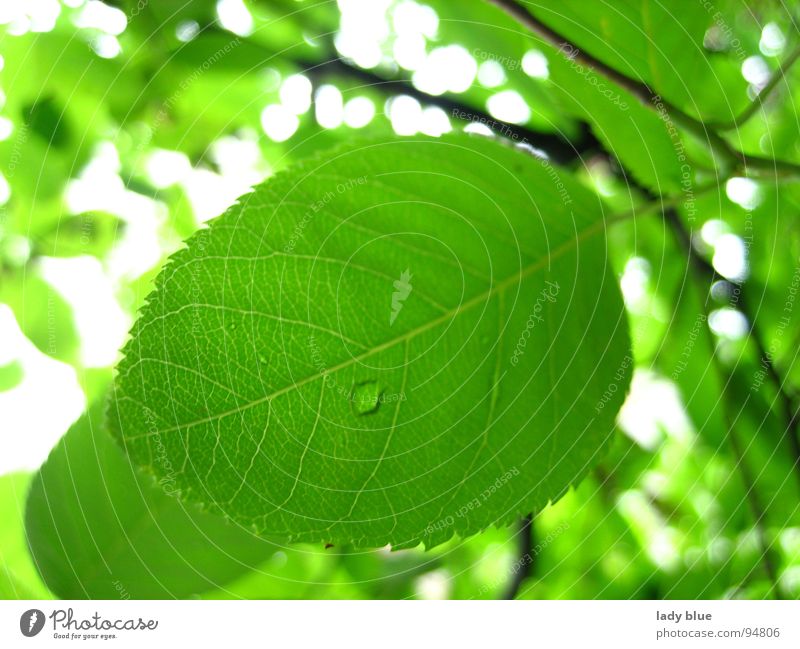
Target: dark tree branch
{"type": "Point", "coordinates": [757, 510]}
{"type": "Point", "coordinates": [524, 565]}
{"type": "Point", "coordinates": [704, 272]}
{"type": "Point", "coordinates": [557, 147]}
{"type": "Point", "coordinates": [646, 95]}
{"type": "Point", "coordinates": [519, 13]}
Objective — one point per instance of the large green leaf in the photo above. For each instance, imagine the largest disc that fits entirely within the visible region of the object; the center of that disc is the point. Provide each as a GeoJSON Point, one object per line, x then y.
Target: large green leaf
{"type": "Point", "coordinates": [99, 529]}
{"type": "Point", "coordinates": [390, 343]}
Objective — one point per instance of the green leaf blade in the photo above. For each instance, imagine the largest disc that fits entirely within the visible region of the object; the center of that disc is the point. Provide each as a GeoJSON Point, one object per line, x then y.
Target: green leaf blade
{"type": "Point", "coordinates": [291, 375]}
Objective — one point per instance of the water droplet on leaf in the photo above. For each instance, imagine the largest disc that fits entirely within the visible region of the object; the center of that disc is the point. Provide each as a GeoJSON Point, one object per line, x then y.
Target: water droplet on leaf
{"type": "Point", "coordinates": [366, 397]}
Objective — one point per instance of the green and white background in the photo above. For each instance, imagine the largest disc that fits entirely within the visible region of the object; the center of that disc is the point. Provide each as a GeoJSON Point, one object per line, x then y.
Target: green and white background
{"type": "Point", "coordinates": [391, 299]}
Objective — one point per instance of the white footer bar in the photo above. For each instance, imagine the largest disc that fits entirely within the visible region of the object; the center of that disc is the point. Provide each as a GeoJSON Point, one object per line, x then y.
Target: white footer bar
{"type": "Point", "coordinates": [401, 625]}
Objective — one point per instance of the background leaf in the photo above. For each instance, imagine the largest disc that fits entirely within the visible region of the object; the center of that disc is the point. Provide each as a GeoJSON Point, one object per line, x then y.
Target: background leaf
{"type": "Point", "coordinates": [18, 576]}
{"type": "Point", "coordinates": [99, 529]}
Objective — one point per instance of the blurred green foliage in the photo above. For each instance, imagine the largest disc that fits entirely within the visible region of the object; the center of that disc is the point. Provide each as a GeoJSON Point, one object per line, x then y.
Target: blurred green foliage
{"type": "Point", "coordinates": [702, 500]}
